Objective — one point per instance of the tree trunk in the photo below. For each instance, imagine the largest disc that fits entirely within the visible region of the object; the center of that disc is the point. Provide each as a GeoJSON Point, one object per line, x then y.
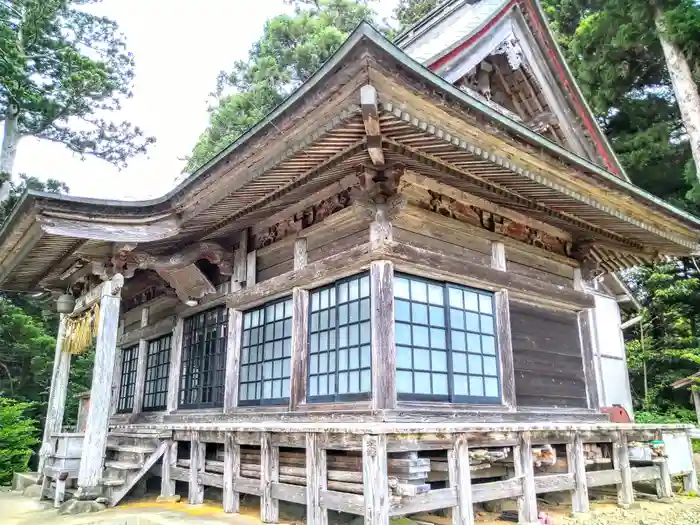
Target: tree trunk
{"type": "Point", "coordinates": [8, 152]}
{"type": "Point", "coordinates": [684, 87]}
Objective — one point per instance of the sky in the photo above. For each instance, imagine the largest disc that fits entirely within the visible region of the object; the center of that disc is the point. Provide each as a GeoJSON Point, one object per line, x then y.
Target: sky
{"type": "Point", "coordinates": [179, 47]}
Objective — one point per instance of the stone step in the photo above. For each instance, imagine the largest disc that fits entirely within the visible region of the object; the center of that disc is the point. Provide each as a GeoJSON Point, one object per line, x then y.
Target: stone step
{"type": "Point", "coordinates": [112, 482]}
{"type": "Point", "coordinates": [122, 465]}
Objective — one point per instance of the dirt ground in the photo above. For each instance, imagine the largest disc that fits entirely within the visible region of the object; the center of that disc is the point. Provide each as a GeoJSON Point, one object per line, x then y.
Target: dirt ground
{"type": "Point", "coordinates": [16, 509]}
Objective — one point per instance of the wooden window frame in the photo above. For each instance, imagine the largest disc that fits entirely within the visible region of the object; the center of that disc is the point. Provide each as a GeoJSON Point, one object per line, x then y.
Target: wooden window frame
{"type": "Point", "coordinates": [127, 379]}
{"type": "Point", "coordinates": [185, 384]}
{"type": "Point", "coordinates": [336, 397]}
{"type": "Point", "coordinates": [151, 374]}
{"type": "Point", "coordinates": [451, 397]}
{"type": "Point", "coordinates": [262, 309]}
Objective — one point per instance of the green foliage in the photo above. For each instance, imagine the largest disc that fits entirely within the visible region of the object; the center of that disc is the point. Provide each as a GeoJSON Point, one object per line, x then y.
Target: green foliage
{"type": "Point", "coordinates": [61, 69]}
{"type": "Point", "coordinates": [613, 49]}
{"type": "Point", "coordinates": [18, 434]}
{"type": "Point", "coordinates": [408, 12]}
{"type": "Point", "coordinates": [290, 50]}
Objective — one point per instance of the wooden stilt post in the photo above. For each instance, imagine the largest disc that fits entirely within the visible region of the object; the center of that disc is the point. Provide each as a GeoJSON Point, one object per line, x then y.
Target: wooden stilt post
{"type": "Point", "coordinates": [577, 466]}
{"type": "Point", "coordinates": [316, 480]}
{"type": "Point", "coordinates": [232, 469]}
{"type": "Point", "coordinates": [460, 479]}
{"type": "Point", "coordinates": [527, 504]}
{"type": "Point", "coordinates": [57, 395]}
{"type": "Point", "coordinates": [97, 426]}
{"type": "Point", "coordinates": [141, 364]}
{"type": "Point", "coordinates": [269, 473]}
{"type": "Point", "coordinates": [621, 462]}
{"type": "Point", "coordinates": [167, 483]}
{"type": "Point", "coordinates": [375, 477]}
{"type": "Point", "coordinates": [197, 458]}
{"type": "Point", "coordinates": [663, 484]}
{"type": "Point", "coordinates": [690, 480]}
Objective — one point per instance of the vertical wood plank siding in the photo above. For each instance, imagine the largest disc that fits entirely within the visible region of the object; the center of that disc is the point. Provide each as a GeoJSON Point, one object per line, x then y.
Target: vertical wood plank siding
{"type": "Point", "coordinates": [547, 358]}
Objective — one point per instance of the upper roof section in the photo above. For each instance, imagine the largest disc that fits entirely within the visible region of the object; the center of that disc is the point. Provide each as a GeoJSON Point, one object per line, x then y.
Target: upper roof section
{"type": "Point", "coordinates": [317, 138]}
{"type": "Point", "coordinates": [504, 52]}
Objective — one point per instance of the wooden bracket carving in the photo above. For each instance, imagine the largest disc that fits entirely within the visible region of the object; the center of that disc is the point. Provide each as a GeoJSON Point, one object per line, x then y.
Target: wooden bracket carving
{"type": "Point", "coordinates": [209, 251]}
{"type": "Point", "coordinates": [581, 251]}
{"type": "Point", "coordinates": [303, 219]}
{"type": "Point", "coordinates": [189, 283]}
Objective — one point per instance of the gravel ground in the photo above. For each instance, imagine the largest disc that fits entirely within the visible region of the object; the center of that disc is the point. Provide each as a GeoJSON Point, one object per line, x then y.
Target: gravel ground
{"type": "Point", "coordinates": [678, 511]}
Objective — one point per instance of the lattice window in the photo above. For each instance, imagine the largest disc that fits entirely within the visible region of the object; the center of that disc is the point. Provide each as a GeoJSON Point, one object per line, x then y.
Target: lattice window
{"type": "Point", "coordinates": [266, 354]}
{"type": "Point", "coordinates": [157, 370]}
{"type": "Point", "coordinates": [127, 382]}
{"type": "Point", "coordinates": [445, 342]}
{"type": "Point", "coordinates": [339, 341]}
{"type": "Point", "coordinates": [204, 359]}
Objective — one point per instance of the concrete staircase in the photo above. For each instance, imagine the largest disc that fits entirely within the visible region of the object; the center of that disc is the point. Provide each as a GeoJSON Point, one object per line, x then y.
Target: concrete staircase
{"type": "Point", "coordinates": [129, 456]}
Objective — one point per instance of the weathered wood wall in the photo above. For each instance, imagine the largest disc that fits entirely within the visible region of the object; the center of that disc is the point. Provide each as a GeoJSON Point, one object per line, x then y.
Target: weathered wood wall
{"type": "Point", "coordinates": [547, 358]}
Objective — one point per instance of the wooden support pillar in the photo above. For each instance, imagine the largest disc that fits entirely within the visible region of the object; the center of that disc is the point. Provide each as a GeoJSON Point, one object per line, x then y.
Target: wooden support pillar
{"type": "Point", "coordinates": [269, 473]}
{"type": "Point", "coordinates": [167, 483]}
{"type": "Point", "coordinates": [141, 364]}
{"type": "Point", "coordinates": [251, 268]}
{"type": "Point", "coordinates": [621, 462]}
{"type": "Point", "coordinates": [116, 380]}
{"type": "Point", "coordinates": [690, 480]}
{"type": "Point", "coordinates": [198, 452]}
{"type": "Point", "coordinates": [233, 359]}
{"type": "Point", "coordinates": [383, 345]}
{"type": "Point", "coordinates": [527, 504]}
{"type": "Point", "coordinates": [375, 476]}
{"type": "Point", "coordinates": [316, 480]}
{"type": "Point", "coordinates": [301, 256]}
{"type": "Point", "coordinates": [95, 441]}
{"type": "Point", "coordinates": [505, 349]}
{"type": "Point", "coordinates": [664, 488]}
{"type": "Point", "coordinates": [175, 366]}
{"type": "Point", "coordinates": [232, 469]}
{"type": "Point", "coordinates": [57, 394]}
{"type": "Point", "coordinates": [585, 325]}
{"type": "Point", "coordinates": [577, 466]}
{"type": "Point", "coordinates": [696, 402]}
{"type": "Point", "coordinates": [461, 481]}
{"type": "Point", "coordinates": [498, 256]}
{"type": "Point", "coordinates": [300, 335]}
{"type": "Point", "coordinates": [240, 255]}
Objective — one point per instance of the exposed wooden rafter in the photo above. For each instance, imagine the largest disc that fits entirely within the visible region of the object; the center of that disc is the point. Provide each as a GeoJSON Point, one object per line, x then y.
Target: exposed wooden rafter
{"type": "Point", "coordinates": [370, 117]}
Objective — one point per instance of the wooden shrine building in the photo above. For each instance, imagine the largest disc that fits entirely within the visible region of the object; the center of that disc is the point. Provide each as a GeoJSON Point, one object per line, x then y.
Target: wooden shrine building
{"type": "Point", "coordinates": [380, 300]}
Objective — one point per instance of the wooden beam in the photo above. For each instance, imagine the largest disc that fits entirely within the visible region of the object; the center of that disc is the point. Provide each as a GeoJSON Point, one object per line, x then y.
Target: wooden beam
{"type": "Point", "coordinates": [314, 274]}
{"type": "Point", "coordinates": [300, 334]}
{"type": "Point", "coordinates": [233, 359]}
{"type": "Point", "coordinates": [175, 366]}
{"type": "Point", "coordinates": [167, 482]}
{"type": "Point", "coordinates": [527, 504]}
{"type": "Point", "coordinates": [505, 349]}
{"type": "Point", "coordinates": [432, 264]}
{"type": "Point", "coordinates": [460, 480]}
{"type": "Point", "coordinates": [621, 462]}
{"type": "Point", "coordinates": [316, 480]}
{"type": "Point", "coordinates": [370, 118]}
{"type": "Point", "coordinates": [198, 451]}
{"type": "Point", "coordinates": [383, 346]}
{"type": "Point", "coordinates": [232, 468]}
{"type": "Point", "coordinates": [161, 327]}
{"type": "Point", "coordinates": [375, 479]}
{"type": "Point", "coordinates": [576, 463]}
{"type": "Point", "coordinates": [585, 324]}
{"type": "Point", "coordinates": [269, 473]}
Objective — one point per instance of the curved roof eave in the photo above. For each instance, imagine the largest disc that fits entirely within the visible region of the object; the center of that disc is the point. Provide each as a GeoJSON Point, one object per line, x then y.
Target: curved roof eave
{"type": "Point", "coordinates": [164, 204]}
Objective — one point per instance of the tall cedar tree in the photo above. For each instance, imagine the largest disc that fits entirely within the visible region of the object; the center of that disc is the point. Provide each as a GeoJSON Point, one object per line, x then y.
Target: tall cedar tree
{"type": "Point", "coordinates": [61, 69]}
